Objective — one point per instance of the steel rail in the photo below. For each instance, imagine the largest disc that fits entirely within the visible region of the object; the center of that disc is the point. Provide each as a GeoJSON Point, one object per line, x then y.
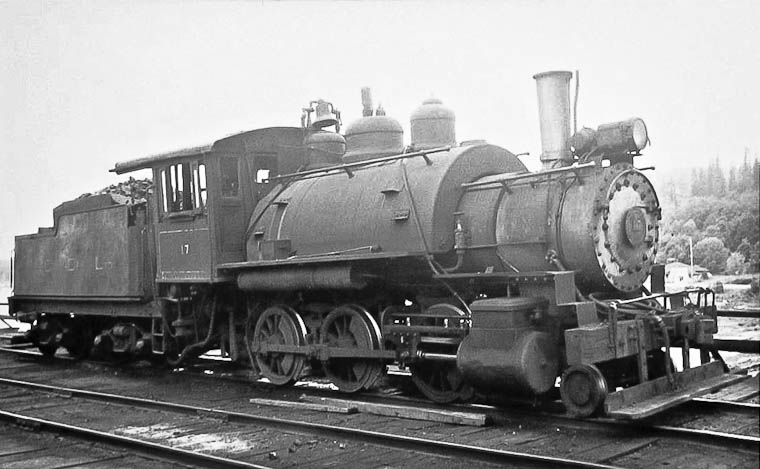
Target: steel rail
{"type": "Point", "coordinates": [366, 436]}
{"type": "Point", "coordinates": [720, 403]}
{"type": "Point", "coordinates": [133, 444]}
{"type": "Point", "coordinates": [723, 439]}
{"type": "Point", "coordinates": [706, 436]}
{"type": "Point", "coordinates": [32, 351]}
{"type": "Point", "coordinates": [732, 440]}
{"type": "Point", "coordinates": [737, 441]}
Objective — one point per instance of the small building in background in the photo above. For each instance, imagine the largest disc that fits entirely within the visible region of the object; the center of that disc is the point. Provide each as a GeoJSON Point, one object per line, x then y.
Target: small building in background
{"type": "Point", "coordinates": [676, 272]}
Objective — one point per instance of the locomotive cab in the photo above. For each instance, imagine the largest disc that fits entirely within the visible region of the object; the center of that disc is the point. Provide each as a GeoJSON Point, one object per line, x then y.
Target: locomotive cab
{"type": "Point", "coordinates": [203, 197]}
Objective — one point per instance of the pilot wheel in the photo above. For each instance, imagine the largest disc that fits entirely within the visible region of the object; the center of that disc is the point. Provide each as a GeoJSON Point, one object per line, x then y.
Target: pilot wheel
{"type": "Point", "coordinates": [583, 390]}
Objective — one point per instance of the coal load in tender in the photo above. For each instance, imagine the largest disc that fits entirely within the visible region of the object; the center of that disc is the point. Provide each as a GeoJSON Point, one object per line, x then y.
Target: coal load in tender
{"type": "Point", "coordinates": [130, 192]}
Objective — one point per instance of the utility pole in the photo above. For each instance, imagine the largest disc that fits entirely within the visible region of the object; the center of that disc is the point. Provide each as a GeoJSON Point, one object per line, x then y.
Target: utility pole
{"type": "Point", "coordinates": [691, 259]}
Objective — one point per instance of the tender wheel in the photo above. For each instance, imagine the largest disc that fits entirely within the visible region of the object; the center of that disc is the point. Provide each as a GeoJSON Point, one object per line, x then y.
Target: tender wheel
{"type": "Point", "coordinates": [77, 339]}
{"type": "Point", "coordinates": [441, 382]}
{"type": "Point", "coordinates": [583, 390]}
{"type": "Point", "coordinates": [351, 326]}
{"type": "Point", "coordinates": [279, 325]}
{"type": "Point", "coordinates": [47, 336]}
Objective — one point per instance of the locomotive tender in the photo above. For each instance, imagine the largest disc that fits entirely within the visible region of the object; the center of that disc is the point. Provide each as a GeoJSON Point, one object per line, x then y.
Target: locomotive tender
{"type": "Point", "coordinates": [306, 251]}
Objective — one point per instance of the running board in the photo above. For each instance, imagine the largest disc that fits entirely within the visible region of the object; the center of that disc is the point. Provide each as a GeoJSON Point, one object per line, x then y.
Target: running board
{"type": "Point", "coordinates": [651, 397]}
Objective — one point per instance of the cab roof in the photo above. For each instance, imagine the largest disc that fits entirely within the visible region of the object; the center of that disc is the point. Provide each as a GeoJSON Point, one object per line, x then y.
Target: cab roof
{"type": "Point", "coordinates": [202, 150]}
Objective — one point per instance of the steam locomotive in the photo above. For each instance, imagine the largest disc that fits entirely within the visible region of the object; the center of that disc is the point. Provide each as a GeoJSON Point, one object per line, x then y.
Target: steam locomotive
{"type": "Point", "coordinates": [302, 250]}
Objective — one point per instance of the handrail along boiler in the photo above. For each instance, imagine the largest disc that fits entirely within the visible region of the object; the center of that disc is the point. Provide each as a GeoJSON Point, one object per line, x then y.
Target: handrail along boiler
{"type": "Point", "coordinates": [303, 250]}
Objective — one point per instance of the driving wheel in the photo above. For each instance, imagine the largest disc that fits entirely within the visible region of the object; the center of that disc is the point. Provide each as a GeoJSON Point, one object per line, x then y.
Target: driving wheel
{"type": "Point", "coordinates": [346, 327]}
{"type": "Point", "coordinates": [279, 326]}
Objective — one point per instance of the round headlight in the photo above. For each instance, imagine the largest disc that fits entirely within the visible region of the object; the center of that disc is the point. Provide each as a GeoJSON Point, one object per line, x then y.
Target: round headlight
{"type": "Point", "coordinates": [628, 136]}
{"type": "Point", "coordinates": [639, 134]}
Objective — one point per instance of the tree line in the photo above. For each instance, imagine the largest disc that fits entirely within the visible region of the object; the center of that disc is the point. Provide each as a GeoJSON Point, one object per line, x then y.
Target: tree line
{"type": "Point", "coordinates": [721, 217]}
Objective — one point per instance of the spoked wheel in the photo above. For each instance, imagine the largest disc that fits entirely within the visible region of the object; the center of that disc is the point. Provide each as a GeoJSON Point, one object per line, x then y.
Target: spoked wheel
{"type": "Point", "coordinates": [441, 382]}
{"type": "Point", "coordinates": [279, 325]}
{"type": "Point", "coordinates": [351, 326]}
{"type": "Point", "coordinates": [46, 336]}
{"type": "Point", "coordinates": [583, 390]}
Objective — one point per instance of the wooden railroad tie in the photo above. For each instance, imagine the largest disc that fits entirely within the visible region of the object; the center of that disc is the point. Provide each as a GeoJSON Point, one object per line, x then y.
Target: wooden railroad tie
{"type": "Point", "coordinates": [343, 406]}
{"type": "Point", "coordinates": [337, 409]}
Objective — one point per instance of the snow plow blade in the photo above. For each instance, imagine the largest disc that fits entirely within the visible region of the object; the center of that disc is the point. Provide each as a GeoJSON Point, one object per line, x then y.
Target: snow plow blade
{"type": "Point", "coordinates": [652, 397]}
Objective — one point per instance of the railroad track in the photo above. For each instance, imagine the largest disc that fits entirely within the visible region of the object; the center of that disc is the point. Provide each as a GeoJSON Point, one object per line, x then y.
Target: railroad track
{"type": "Point", "coordinates": [25, 446]}
{"type": "Point", "coordinates": [618, 444]}
{"type": "Point", "coordinates": [696, 427]}
{"type": "Point", "coordinates": [141, 447]}
{"type": "Point", "coordinates": [469, 454]}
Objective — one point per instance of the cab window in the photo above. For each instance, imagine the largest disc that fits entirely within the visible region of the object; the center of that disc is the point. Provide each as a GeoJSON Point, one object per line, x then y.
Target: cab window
{"type": "Point", "coordinates": [230, 186]}
{"type": "Point", "coordinates": [266, 166]}
{"type": "Point", "coordinates": [183, 187]}
{"type": "Point", "coordinates": [199, 180]}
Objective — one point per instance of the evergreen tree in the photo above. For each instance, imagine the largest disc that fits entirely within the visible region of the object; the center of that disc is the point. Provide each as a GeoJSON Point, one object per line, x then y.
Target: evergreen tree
{"type": "Point", "coordinates": [694, 182]}
{"type": "Point", "coordinates": [744, 181]}
{"type": "Point", "coordinates": [718, 185]}
{"type": "Point", "coordinates": [707, 180]}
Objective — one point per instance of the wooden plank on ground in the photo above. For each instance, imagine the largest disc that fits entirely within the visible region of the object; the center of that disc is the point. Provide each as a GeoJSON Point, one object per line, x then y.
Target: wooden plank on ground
{"type": "Point", "coordinates": [344, 408]}
{"type": "Point", "coordinates": [415, 413]}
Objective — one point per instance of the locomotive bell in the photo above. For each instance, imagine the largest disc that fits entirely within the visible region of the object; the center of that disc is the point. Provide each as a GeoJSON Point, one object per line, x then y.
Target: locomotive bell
{"type": "Point", "coordinates": [325, 115]}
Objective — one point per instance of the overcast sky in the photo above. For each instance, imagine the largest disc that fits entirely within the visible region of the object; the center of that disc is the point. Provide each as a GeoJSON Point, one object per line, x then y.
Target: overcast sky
{"type": "Point", "coordinates": [86, 84]}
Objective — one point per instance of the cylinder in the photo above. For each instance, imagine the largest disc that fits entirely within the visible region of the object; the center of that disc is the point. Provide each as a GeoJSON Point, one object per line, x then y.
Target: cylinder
{"type": "Point", "coordinates": [503, 352]}
{"type": "Point", "coordinates": [554, 117]}
{"type": "Point", "coordinates": [515, 361]}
